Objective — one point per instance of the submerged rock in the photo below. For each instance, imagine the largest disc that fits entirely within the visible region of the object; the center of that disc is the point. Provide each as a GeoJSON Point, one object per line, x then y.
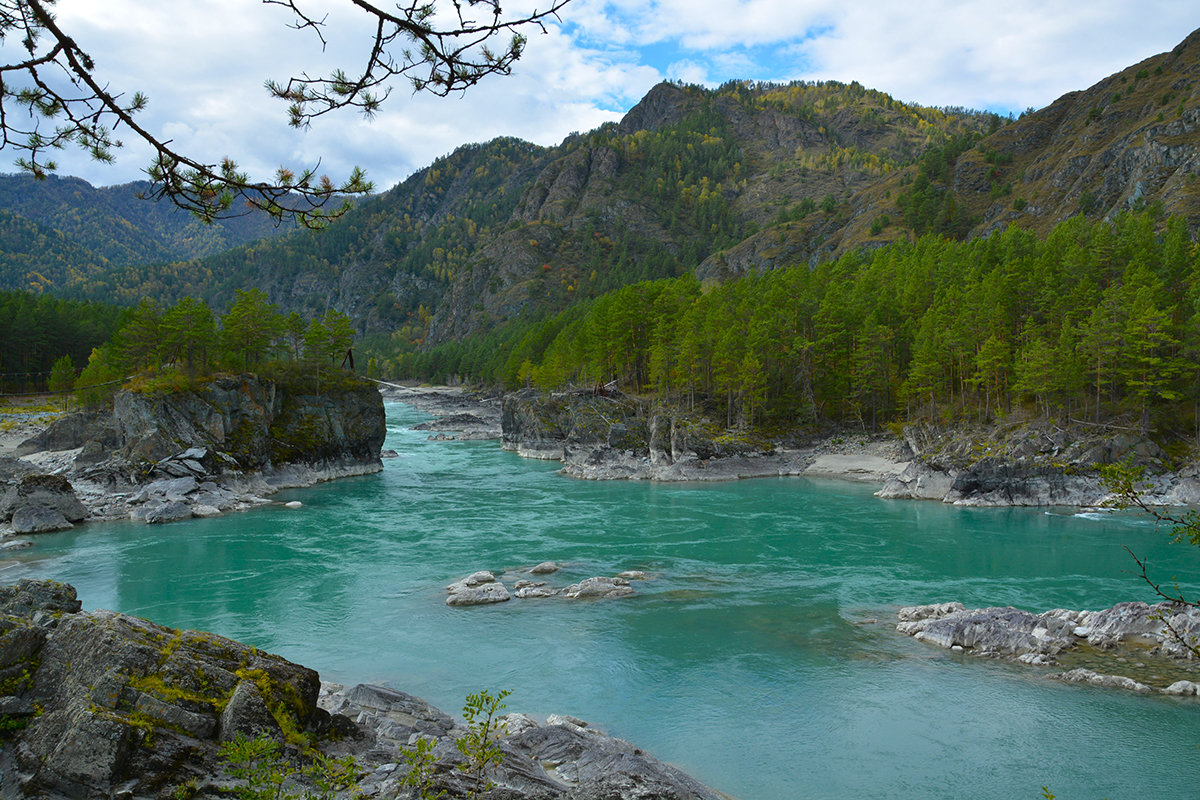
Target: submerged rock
{"type": "Point", "coordinates": [1099, 679]}
{"type": "Point", "coordinates": [598, 588]}
{"type": "Point", "coordinates": [530, 589]}
{"type": "Point", "coordinates": [1183, 688]}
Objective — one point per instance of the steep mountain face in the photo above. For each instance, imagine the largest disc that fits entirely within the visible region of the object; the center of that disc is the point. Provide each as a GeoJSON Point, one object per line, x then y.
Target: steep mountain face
{"type": "Point", "coordinates": [746, 177]}
{"type": "Point", "coordinates": [1129, 140]}
{"type": "Point", "coordinates": [56, 234]}
{"type": "Point", "coordinates": [683, 179]}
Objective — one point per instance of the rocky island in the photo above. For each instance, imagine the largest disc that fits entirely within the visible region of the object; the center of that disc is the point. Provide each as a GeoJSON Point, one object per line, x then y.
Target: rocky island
{"type": "Point", "coordinates": [1150, 641]}
{"type": "Point", "coordinates": [164, 456]}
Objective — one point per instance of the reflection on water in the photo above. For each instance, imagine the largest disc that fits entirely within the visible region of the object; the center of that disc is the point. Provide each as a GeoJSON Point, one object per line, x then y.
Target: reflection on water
{"type": "Point", "coordinates": [761, 656]}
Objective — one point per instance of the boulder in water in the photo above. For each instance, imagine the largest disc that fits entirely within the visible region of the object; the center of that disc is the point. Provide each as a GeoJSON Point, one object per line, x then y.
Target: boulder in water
{"type": "Point", "coordinates": [477, 589]}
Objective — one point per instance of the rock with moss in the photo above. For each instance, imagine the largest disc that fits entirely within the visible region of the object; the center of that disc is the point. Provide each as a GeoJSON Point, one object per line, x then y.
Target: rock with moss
{"type": "Point", "coordinates": [559, 758]}
{"type": "Point", "coordinates": [101, 703]}
{"type": "Point", "coordinates": [252, 423]}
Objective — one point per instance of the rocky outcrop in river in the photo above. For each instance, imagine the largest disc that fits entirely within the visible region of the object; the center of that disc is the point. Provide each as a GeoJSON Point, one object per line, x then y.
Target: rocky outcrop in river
{"type": "Point", "coordinates": [607, 435]}
{"type": "Point", "coordinates": [485, 588]}
{"type": "Point", "coordinates": [99, 705]}
{"type": "Point", "coordinates": [1033, 463]}
{"type": "Point", "coordinates": [162, 456]}
{"type": "Point", "coordinates": [1126, 636]}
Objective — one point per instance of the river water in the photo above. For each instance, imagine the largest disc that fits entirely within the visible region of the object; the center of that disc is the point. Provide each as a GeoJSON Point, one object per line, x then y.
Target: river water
{"type": "Point", "coordinates": [761, 657]}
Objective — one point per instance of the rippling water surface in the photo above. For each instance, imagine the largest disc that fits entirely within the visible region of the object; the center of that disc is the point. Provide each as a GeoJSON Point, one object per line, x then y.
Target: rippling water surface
{"type": "Point", "coordinates": [761, 658]}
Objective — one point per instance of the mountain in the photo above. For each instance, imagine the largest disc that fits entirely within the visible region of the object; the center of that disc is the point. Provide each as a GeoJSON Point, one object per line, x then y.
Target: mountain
{"type": "Point", "coordinates": [746, 177]}
{"type": "Point", "coordinates": [59, 233]}
{"type": "Point", "coordinates": [497, 230]}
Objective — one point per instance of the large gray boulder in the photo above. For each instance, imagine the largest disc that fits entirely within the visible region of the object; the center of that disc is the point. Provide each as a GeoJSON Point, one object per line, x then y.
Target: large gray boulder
{"type": "Point", "coordinates": [598, 588]}
{"type": "Point", "coordinates": [42, 498]}
{"type": "Point", "coordinates": [917, 481]}
{"type": "Point", "coordinates": [170, 511]}
{"type": "Point", "coordinates": [71, 431]}
{"type": "Point", "coordinates": [106, 703]}
{"type": "Point", "coordinates": [39, 519]}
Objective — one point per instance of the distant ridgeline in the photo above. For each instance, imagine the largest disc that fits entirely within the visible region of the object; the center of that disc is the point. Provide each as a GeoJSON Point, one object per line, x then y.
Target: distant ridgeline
{"type": "Point", "coordinates": [1095, 320]}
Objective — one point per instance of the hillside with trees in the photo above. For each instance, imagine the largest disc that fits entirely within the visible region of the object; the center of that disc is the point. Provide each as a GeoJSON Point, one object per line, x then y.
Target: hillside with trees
{"type": "Point", "coordinates": [60, 235]}
{"type": "Point", "coordinates": [1096, 321]}
{"type": "Point", "coordinates": [504, 229]}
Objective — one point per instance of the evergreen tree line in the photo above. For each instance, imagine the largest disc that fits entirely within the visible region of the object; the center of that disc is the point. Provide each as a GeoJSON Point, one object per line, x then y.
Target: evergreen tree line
{"type": "Point", "coordinates": [35, 330]}
{"type": "Point", "coordinates": [172, 347]}
{"type": "Point", "coordinates": [1100, 318]}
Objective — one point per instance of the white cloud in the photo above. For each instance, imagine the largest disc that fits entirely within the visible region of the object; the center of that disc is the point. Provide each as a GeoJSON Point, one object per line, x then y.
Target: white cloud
{"type": "Point", "coordinates": [688, 71]}
{"type": "Point", "coordinates": [1011, 54]}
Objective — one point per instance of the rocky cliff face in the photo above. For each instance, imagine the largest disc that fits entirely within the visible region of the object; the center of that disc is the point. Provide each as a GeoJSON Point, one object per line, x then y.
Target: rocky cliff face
{"type": "Point", "coordinates": [608, 435]}
{"type": "Point", "coordinates": [244, 421]}
{"type": "Point", "coordinates": [99, 704]}
{"type": "Point", "coordinates": [1129, 140]}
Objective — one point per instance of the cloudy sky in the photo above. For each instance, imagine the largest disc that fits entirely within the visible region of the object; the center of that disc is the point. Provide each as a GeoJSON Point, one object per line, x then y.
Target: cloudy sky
{"type": "Point", "coordinates": [203, 64]}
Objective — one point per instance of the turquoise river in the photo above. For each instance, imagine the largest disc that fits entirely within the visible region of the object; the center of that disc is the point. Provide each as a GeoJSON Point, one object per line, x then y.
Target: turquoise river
{"type": "Point", "coordinates": [762, 658]}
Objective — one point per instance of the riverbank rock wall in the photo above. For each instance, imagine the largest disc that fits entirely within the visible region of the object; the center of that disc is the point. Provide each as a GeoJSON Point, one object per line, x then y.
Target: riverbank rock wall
{"type": "Point", "coordinates": [1022, 462]}
{"type": "Point", "coordinates": [581, 426]}
{"type": "Point", "coordinates": [1035, 463]}
{"type": "Point", "coordinates": [253, 423]}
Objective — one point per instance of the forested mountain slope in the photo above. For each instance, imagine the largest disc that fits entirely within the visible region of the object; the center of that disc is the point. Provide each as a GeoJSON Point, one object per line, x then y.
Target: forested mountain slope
{"type": "Point", "coordinates": [504, 229]}
{"type": "Point", "coordinates": [1127, 142]}
{"type": "Point", "coordinates": [58, 235]}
